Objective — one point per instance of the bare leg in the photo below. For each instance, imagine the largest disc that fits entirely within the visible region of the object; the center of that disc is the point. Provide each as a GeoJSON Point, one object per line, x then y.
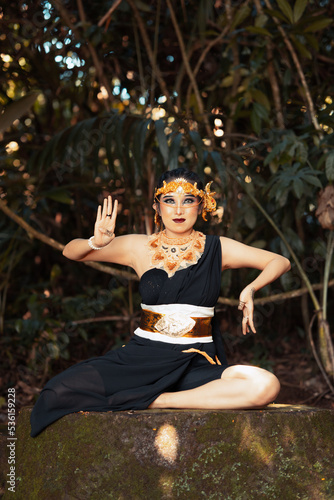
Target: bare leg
{"type": "Point", "coordinates": [240, 387]}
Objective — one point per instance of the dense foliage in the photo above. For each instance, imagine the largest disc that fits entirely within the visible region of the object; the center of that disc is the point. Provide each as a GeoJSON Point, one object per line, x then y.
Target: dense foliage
{"type": "Point", "coordinates": [101, 97]}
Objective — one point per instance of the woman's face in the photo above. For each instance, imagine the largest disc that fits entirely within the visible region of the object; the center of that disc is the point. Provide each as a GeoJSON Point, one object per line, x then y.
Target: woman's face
{"type": "Point", "coordinates": [179, 212]}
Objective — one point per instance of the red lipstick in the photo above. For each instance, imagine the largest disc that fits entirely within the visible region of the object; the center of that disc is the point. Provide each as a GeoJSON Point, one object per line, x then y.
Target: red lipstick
{"type": "Point", "coordinates": [178, 221]}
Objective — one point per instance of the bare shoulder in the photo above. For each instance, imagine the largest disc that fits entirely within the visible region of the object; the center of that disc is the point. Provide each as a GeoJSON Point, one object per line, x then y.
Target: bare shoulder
{"type": "Point", "coordinates": [229, 244]}
{"type": "Point", "coordinates": [229, 247]}
{"type": "Point", "coordinates": [130, 239]}
{"type": "Point", "coordinates": [137, 247]}
{"type": "Point", "coordinates": [130, 244]}
{"type": "Point", "coordinates": [236, 254]}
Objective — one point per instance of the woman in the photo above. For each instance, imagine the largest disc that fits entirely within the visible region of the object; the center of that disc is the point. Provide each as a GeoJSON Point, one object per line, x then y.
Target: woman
{"type": "Point", "coordinates": [175, 358]}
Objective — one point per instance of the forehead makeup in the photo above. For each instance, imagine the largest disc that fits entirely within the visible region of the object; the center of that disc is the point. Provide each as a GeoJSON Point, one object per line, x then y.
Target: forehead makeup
{"type": "Point", "coordinates": [185, 200]}
{"type": "Point", "coordinates": [179, 186]}
{"type": "Point", "coordinates": [182, 186]}
{"type": "Point", "coordinates": [171, 194]}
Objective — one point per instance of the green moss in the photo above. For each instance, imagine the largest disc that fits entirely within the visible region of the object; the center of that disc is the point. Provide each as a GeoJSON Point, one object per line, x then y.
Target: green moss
{"type": "Point", "coordinates": [227, 454]}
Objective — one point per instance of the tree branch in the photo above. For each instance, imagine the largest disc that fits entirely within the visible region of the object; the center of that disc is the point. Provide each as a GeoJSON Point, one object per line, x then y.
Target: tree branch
{"type": "Point", "coordinates": [299, 69]}
{"type": "Point", "coordinates": [277, 297]}
{"type": "Point", "coordinates": [108, 14]}
{"type": "Point", "coordinates": [236, 81]}
{"type": "Point", "coordinates": [139, 59]}
{"type": "Point", "coordinates": [33, 233]}
{"type": "Point", "coordinates": [202, 58]}
{"type": "Point", "coordinates": [150, 53]}
{"type": "Point", "coordinates": [190, 73]}
{"type": "Point", "coordinates": [272, 74]}
{"type": "Point", "coordinates": [89, 50]}
{"type": "Point", "coordinates": [98, 66]}
{"type": "Point", "coordinates": [155, 51]}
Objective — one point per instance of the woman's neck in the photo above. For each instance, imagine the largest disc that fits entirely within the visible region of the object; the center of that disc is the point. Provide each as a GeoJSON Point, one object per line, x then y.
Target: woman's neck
{"type": "Point", "coordinates": [176, 235]}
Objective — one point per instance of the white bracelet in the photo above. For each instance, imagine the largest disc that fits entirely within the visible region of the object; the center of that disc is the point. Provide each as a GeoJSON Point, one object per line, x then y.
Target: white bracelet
{"type": "Point", "coordinates": [92, 246]}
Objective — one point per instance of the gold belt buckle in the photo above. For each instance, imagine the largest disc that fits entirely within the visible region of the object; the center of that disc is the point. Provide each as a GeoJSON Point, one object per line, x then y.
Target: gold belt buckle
{"type": "Point", "coordinates": [175, 324]}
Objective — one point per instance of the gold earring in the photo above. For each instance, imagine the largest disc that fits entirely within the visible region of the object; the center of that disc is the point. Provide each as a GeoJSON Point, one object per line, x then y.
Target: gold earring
{"type": "Point", "coordinates": [157, 219]}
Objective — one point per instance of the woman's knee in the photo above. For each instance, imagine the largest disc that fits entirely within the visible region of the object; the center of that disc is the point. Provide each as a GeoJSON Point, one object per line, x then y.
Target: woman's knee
{"type": "Point", "coordinates": [261, 386]}
{"type": "Point", "coordinates": [266, 388]}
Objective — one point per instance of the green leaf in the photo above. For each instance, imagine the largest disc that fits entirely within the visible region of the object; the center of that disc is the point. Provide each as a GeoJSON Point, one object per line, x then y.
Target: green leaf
{"type": "Point", "coordinates": [259, 244]}
{"type": "Point", "coordinates": [261, 98]}
{"type": "Point", "coordinates": [250, 218]}
{"type": "Point", "coordinates": [275, 152]}
{"type": "Point", "coordinates": [119, 136]}
{"type": "Point", "coordinates": [240, 16]}
{"type": "Point", "coordinates": [261, 111]}
{"type": "Point", "coordinates": [287, 78]}
{"type": "Point", "coordinates": [109, 152]}
{"type": "Point", "coordinates": [16, 109]}
{"type": "Point", "coordinates": [227, 81]}
{"type": "Point", "coordinates": [196, 139]}
{"type": "Point", "coordinates": [294, 240]}
{"type": "Point", "coordinates": [318, 25]}
{"type": "Point", "coordinates": [311, 179]}
{"type": "Point", "coordinates": [258, 31]}
{"type": "Point", "coordinates": [298, 9]}
{"type": "Point", "coordinates": [93, 143]}
{"type": "Point", "coordinates": [298, 187]}
{"type": "Point", "coordinates": [162, 140]}
{"type": "Point", "coordinates": [139, 138]}
{"type": "Point", "coordinates": [129, 132]}
{"type": "Point", "coordinates": [220, 166]}
{"type": "Point", "coordinates": [311, 40]}
{"type": "Point", "coordinates": [276, 13]}
{"type": "Point", "coordinates": [59, 194]}
{"type": "Point", "coordinates": [329, 166]}
{"type": "Point", "coordinates": [174, 151]}
{"type": "Point", "coordinates": [143, 6]}
{"type": "Point", "coordinates": [286, 9]}
{"type": "Point", "coordinates": [301, 48]}
{"type": "Point", "coordinates": [261, 20]}
{"type": "Point", "coordinates": [255, 121]}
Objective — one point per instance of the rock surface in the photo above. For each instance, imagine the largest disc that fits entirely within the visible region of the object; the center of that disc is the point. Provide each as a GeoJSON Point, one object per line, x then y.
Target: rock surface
{"type": "Point", "coordinates": [281, 452]}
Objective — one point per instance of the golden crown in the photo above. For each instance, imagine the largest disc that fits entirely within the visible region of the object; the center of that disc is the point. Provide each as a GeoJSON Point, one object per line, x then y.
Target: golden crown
{"type": "Point", "coordinates": [181, 185]}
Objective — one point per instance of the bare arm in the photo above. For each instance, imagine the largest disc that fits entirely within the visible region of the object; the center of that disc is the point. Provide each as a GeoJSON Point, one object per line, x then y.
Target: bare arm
{"type": "Point", "coordinates": [121, 250]}
{"type": "Point", "coordinates": [236, 255]}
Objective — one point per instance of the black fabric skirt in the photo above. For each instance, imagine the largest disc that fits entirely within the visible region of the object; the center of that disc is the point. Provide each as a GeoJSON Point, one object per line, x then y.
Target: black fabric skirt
{"type": "Point", "coordinates": [128, 378]}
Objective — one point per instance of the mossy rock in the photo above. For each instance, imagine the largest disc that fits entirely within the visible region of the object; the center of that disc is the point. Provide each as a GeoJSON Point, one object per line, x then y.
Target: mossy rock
{"type": "Point", "coordinates": [283, 452]}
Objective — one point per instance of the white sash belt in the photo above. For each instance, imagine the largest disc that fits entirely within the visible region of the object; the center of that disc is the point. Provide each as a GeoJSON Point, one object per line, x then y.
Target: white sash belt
{"type": "Point", "coordinates": [187, 311]}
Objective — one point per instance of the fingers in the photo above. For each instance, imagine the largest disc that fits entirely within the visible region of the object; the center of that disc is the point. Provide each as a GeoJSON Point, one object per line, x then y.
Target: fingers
{"type": "Point", "coordinates": [105, 208]}
{"type": "Point", "coordinates": [251, 323]}
{"type": "Point", "coordinates": [244, 325]}
{"type": "Point", "coordinates": [106, 219]}
{"type": "Point", "coordinates": [114, 213]}
{"type": "Point", "coordinates": [247, 323]}
{"type": "Point", "coordinates": [246, 305]}
{"type": "Point", "coordinates": [99, 214]}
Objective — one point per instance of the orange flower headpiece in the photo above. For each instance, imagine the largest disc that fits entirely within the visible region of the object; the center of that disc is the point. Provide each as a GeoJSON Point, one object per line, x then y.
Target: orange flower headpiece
{"type": "Point", "coordinates": [181, 185]}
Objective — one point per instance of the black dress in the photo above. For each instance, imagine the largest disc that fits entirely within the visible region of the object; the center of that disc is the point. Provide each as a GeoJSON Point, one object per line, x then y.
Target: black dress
{"type": "Point", "coordinates": [133, 376]}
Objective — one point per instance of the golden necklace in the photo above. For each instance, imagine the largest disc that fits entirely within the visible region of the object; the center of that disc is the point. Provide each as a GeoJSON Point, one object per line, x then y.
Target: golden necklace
{"type": "Point", "coordinates": [172, 254]}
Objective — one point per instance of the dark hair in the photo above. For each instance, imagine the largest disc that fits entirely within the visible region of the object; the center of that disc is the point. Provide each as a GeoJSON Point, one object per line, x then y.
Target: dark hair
{"type": "Point", "coordinates": [180, 172]}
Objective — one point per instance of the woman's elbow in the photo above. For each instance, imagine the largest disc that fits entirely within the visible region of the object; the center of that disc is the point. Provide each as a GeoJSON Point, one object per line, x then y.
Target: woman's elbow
{"type": "Point", "coordinates": [64, 252]}
{"type": "Point", "coordinates": [67, 253]}
{"type": "Point", "coordinates": [287, 264]}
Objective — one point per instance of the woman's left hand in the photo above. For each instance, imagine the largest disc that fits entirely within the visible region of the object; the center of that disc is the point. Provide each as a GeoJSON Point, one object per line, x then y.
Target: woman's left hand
{"type": "Point", "coordinates": [246, 305]}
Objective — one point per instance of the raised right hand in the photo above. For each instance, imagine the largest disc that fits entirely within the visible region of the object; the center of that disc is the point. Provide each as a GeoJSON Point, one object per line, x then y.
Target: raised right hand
{"type": "Point", "coordinates": [104, 229]}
